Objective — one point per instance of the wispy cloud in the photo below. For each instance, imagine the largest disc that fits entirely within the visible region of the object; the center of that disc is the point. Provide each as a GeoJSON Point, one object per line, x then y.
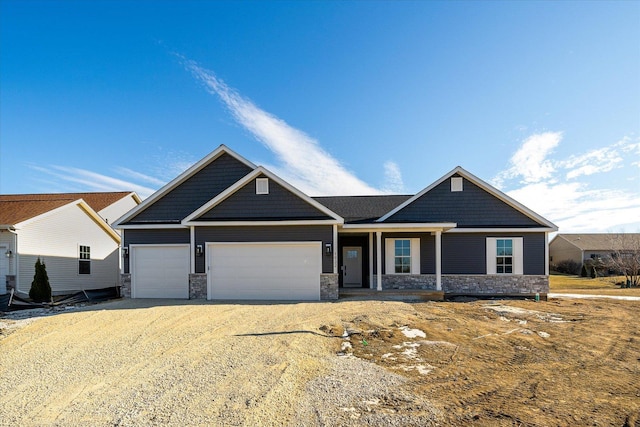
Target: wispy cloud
{"type": "Point", "coordinates": [564, 191]}
{"type": "Point", "coordinates": [73, 179]}
{"type": "Point", "coordinates": [392, 178]}
{"type": "Point", "coordinates": [303, 162]}
{"type": "Point", "coordinates": [530, 163]}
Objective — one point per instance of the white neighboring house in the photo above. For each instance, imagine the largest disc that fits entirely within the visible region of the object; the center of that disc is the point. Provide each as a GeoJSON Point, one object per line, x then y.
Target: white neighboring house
{"type": "Point", "coordinates": [70, 232]}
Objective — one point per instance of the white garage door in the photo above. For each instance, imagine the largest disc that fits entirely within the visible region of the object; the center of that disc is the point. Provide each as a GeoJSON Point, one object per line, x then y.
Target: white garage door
{"type": "Point", "coordinates": [265, 271]}
{"type": "Point", "coordinates": [160, 271]}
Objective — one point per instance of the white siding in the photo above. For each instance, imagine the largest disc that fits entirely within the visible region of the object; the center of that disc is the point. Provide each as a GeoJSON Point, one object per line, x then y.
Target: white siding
{"type": "Point", "coordinates": [114, 211]}
{"type": "Point", "coordinates": [55, 237]}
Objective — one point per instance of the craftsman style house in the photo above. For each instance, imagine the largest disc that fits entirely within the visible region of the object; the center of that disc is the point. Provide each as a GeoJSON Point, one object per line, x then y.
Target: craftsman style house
{"type": "Point", "coordinates": [70, 232]}
{"type": "Point", "coordinates": [228, 229]}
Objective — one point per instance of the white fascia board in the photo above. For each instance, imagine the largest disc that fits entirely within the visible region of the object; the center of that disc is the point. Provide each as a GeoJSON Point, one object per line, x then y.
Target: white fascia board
{"type": "Point", "coordinates": [254, 223]}
{"type": "Point", "coordinates": [485, 186]}
{"type": "Point", "coordinates": [501, 230]}
{"type": "Point", "coordinates": [150, 226]}
{"type": "Point", "coordinates": [222, 149]}
{"type": "Point", "coordinates": [244, 181]}
{"type": "Point", "coordinates": [412, 227]}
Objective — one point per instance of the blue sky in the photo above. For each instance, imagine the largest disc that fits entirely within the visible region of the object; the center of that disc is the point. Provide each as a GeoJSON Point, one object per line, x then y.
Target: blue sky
{"type": "Point", "coordinates": [541, 99]}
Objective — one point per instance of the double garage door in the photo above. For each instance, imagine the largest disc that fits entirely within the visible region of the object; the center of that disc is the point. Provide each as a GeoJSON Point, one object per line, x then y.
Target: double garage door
{"type": "Point", "coordinates": [242, 271]}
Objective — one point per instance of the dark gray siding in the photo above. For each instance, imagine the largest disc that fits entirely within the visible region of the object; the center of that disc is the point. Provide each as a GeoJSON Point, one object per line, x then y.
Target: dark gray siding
{"type": "Point", "coordinates": [472, 207]}
{"type": "Point", "coordinates": [279, 204]}
{"type": "Point", "coordinates": [534, 259]}
{"type": "Point", "coordinates": [154, 237]}
{"type": "Point", "coordinates": [323, 233]}
{"type": "Point", "coordinates": [466, 253]}
{"type": "Point", "coordinates": [194, 192]}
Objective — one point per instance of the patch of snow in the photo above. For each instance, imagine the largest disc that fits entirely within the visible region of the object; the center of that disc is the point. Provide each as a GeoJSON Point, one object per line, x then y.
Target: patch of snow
{"type": "Point", "coordinates": [543, 334]}
{"type": "Point", "coordinates": [412, 333]}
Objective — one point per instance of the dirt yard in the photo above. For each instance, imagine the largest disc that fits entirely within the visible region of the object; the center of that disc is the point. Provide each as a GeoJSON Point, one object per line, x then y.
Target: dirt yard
{"type": "Point", "coordinates": [125, 363]}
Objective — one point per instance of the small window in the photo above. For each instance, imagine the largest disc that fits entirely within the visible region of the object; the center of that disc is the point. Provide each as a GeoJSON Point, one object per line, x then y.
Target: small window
{"type": "Point", "coordinates": [402, 256]}
{"type": "Point", "coordinates": [456, 184]}
{"type": "Point", "coordinates": [84, 261]}
{"type": "Point", "coordinates": [504, 258]}
{"type": "Point", "coordinates": [262, 185]}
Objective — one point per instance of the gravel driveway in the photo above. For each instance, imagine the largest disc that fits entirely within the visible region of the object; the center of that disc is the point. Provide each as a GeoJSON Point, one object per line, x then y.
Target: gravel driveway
{"type": "Point", "coordinates": [156, 362]}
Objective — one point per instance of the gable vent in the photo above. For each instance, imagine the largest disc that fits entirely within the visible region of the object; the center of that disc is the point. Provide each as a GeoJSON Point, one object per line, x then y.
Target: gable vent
{"type": "Point", "coordinates": [456, 184]}
{"type": "Point", "coordinates": [262, 185]}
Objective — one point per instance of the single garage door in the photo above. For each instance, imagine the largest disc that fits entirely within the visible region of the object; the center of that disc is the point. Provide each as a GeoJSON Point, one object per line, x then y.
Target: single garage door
{"type": "Point", "coordinates": [160, 271]}
{"type": "Point", "coordinates": [265, 271]}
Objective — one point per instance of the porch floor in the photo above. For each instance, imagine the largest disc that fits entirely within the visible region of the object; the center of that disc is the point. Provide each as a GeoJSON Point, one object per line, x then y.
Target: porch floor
{"type": "Point", "coordinates": [391, 294]}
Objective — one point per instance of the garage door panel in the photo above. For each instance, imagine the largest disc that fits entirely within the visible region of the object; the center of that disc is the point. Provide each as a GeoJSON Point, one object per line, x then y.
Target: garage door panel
{"type": "Point", "coordinates": [160, 271]}
{"type": "Point", "coordinates": [272, 271]}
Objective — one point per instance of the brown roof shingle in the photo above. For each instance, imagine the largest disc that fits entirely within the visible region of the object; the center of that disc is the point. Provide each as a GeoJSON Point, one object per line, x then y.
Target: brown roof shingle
{"type": "Point", "coordinates": [15, 208]}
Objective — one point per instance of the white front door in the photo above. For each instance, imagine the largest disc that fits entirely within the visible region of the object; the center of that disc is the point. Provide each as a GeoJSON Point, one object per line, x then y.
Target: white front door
{"type": "Point", "coordinates": [352, 267]}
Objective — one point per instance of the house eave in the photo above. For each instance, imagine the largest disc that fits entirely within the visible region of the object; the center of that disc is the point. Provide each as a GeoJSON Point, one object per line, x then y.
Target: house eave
{"type": "Point", "coordinates": [258, 223]}
{"type": "Point", "coordinates": [504, 230]}
{"type": "Point", "coordinates": [405, 227]}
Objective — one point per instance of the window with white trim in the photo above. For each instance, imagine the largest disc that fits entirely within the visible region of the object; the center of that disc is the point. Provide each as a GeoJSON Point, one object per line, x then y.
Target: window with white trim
{"type": "Point", "coordinates": [84, 260]}
{"type": "Point", "coordinates": [504, 255]}
{"type": "Point", "coordinates": [262, 185]}
{"type": "Point", "coordinates": [402, 256]}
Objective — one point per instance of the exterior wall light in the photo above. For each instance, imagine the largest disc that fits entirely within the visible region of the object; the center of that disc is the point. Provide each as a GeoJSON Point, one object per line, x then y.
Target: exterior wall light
{"type": "Point", "coordinates": [8, 254]}
{"type": "Point", "coordinates": [125, 252]}
{"type": "Point", "coordinates": [328, 249]}
{"type": "Point", "coordinates": [199, 250]}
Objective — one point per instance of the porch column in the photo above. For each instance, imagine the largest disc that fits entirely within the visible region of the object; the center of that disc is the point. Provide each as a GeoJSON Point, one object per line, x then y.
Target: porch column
{"type": "Point", "coordinates": [335, 249]}
{"type": "Point", "coordinates": [438, 260]}
{"type": "Point", "coordinates": [371, 260]}
{"type": "Point", "coordinates": [192, 249]}
{"type": "Point", "coordinates": [379, 260]}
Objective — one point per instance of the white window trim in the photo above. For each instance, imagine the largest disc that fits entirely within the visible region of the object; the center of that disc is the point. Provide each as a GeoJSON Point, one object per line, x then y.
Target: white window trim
{"type": "Point", "coordinates": [262, 185]}
{"type": "Point", "coordinates": [518, 258]}
{"type": "Point", "coordinates": [389, 255]}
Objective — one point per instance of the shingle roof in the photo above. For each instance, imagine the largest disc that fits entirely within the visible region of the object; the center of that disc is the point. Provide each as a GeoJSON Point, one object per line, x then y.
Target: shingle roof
{"type": "Point", "coordinates": [15, 208]}
{"type": "Point", "coordinates": [361, 209]}
{"type": "Point", "coordinates": [600, 241]}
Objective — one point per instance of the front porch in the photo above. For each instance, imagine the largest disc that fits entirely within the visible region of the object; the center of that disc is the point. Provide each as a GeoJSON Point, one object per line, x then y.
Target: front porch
{"type": "Point", "coordinates": [367, 256]}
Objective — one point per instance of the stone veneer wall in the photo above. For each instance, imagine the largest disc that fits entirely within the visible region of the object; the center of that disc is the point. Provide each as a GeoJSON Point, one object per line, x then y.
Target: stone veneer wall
{"type": "Point", "coordinates": [495, 284]}
{"type": "Point", "coordinates": [125, 285]}
{"type": "Point", "coordinates": [468, 284]}
{"type": "Point", "coordinates": [407, 281]}
{"type": "Point", "coordinates": [328, 287]}
{"type": "Point", "coordinates": [198, 286]}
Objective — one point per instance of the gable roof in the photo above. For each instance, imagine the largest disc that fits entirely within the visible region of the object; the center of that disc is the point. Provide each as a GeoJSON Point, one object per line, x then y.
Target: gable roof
{"type": "Point", "coordinates": [601, 241]}
{"type": "Point", "coordinates": [459, 171]}
{"type": "Point", "coordinates": [180, 179]}
{"type": "Point", "coordinates": [362, 209]}
{"type": "Point", "coordinates": [16, 208]}
{"type": "Point", "coordinates": [257, 172]}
